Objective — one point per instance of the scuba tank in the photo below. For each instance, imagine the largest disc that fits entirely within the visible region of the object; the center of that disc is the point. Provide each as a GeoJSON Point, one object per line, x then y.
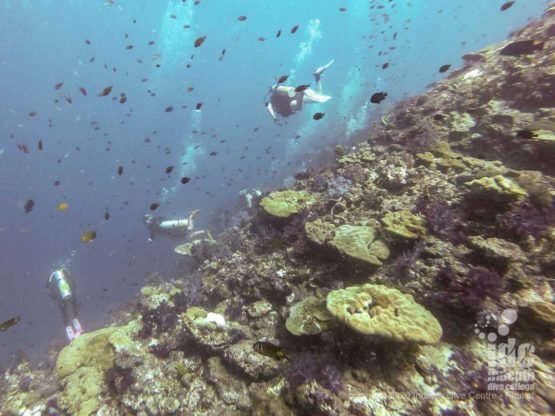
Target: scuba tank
{"type": "Point", "coordinates": [60, 278]}
{"type": "Point", "coordinates": [171, 224]}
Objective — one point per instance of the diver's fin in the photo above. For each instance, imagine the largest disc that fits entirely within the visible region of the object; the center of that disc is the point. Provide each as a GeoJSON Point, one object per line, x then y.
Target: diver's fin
{"type": "Point", "coordinates": [319, 71]}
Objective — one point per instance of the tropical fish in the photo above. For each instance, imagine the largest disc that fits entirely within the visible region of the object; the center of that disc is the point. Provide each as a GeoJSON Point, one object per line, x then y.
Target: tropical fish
{"type": "Point", "coordinates": [282, 79]}
{"type": "Point", "coordinates": [106, 91]}
{"type": "Point", "coordinates": [88, 236]}
{"type": "Point", "coordinates": [507, 5]}
{"type": "Point", "coordinates": [444, 68]}
{"type": "Point", "coordinates": [28, 207]}
{"type": "Point", "coordinates": [4, 326]}
{"type": "Point", "coordinates": [199, 41]}
{"type": "Point", "coordinates": [269, 350]}
{"type": "Point", "coordinates": [378, 97]}
{"type": "Point", "coordinates": [62, 206]}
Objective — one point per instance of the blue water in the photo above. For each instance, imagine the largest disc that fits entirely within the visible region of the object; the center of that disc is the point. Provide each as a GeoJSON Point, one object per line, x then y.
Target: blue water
{"type": "Point", "coordinates": [43, 43]}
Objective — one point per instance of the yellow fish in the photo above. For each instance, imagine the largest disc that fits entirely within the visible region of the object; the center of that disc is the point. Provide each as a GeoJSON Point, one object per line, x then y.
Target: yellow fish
{"type": "Point", "coordinates": [62, 206]}
{"type": "Point", "coordinates": [88, 236]}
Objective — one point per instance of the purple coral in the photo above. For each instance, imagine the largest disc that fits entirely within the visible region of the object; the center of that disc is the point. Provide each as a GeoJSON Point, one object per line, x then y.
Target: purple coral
{"type": "Point", "coordinates": [118, 379]}
{"type": "Point", "coordinates": [305, 367]}
{"type": "Point", "coordinates": [526, 220]}
{"type": "Point", "coordinates": [161, 319]}
{"type": "Point", "coordinates": [441, 220]}
{"type": "Point", "coordinates": [470, 290]}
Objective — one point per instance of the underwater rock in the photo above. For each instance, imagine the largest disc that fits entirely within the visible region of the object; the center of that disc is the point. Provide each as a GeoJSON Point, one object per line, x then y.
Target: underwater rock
{"type": "Point", "coordinates": [358, 242]}
{"type": "Point", "coordinates": [497, 249]}
{"type": "Point", "coordinates": [543, 313]}
{"type": "Point", "coordinates": [230, 389]}
{"type": "Point", "coordinates": [257, 366]}
{"type": "Point", "coordinates": [308, 317]}
{"type": "Point", "coordinates": [283, 204]}
{"type": "Point", "coordinates": [154, 296]}
{"type": "Point", "coordinates": [379, 310]}
{"type": "Point", "coordinates": [316, 400]}
{"type": "Point", "coordinates": [259, 309]}
{"type": "Point", "coordinates": [209, 330]}
{"type": "Point", "coordinates": [405, 224]}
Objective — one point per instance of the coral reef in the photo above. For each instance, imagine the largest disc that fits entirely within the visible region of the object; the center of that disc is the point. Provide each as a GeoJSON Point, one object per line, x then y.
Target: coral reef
{"type": "Point", "coordinates": [389, 279]}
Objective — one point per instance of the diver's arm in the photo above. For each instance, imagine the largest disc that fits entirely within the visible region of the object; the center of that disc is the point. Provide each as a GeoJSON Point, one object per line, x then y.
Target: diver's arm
{"type": "Point", "coordinates": [271, 111]}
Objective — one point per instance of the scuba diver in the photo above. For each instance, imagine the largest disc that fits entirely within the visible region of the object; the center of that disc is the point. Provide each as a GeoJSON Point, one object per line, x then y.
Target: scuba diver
{"type": "Point", "coordinates": [60, 287]}
{"type": "Point", "coordinates": [174, 229]}
{"type": "Point", "coordinates": [285, 100]}
{"type": "Point", "coordinates": [250, 197]}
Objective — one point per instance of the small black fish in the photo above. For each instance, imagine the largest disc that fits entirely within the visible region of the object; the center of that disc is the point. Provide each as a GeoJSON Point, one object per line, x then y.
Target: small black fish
{"type": "Point", "coordinates": [169, 109]}
{"type": "Point", "coordinates": [242, 18]}
{"type": "Point", "coordinates": [294, 28]}
{"type": "Point", "coordinates": [282, 79]}
{"type": "Point", "coordinates": [526, 134]}
{"type": "Point", "coordinates": [198, 106]}
{"type": "Point", "coordinates": [40, 145]}
{"type": "Point", "coordinates": [154, 206]}
{"type": "Point", "coordinates": [507, 5]}
{"type": "Point", "coordinates": [318, 116]}
{"type": "Point", "coordinates": [378, 97]}
{"type": "Point", "coordinates": [213, 153]}
{"type": "Point", "coordinates": [120, 170]}
{"type": "Point", "coordinates": [169, 170]}
{"type": "Point", "coordinates": [57, 183]}
{"type": "Point", "coordinates": [185, 180]}
{"type": "Point", "coordinates": [29, 206]}
{"type": "Point", "coordinates": [521, 47]}
{"type": "Point", "coordinates": [384, 66]}
{"type": "Point", "coordinates": [301, 88]}
{"type": "Point", "coordinates": [269, 350]}
{"type": "Point", "coordinates": [58, 85]}
{"type": "Point", "coordinates": [106, 215]}
{"type": "Point", "coordinates": [278, 34]}
{"type": "Point", "coordinates": [444, 68]}
{"type": "Point", "coordinates": [83, 90]}
{"type": "Point", "coordinates": [4, 326]}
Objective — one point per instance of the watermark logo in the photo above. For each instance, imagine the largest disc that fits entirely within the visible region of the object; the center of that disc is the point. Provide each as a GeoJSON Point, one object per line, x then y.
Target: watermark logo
{"type": "Point", "coordinates": [510, 365]}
